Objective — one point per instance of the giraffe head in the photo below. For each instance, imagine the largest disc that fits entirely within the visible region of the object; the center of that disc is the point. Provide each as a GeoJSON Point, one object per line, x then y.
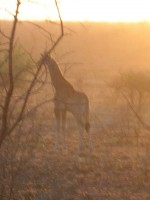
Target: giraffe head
{"type": "Point", "coordinates": [47, 60]}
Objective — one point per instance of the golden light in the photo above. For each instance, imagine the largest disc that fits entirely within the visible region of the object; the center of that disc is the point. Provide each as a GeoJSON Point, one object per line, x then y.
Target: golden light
{"type": "Point", "coordinates": [106, 10]}
{"type": "Point", "coordinates": [29, 10]}
{"type": "Point", "coordinates": [80, 10]}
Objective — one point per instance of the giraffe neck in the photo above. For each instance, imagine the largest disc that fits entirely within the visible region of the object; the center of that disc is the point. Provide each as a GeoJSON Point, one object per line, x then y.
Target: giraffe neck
{"type": "Point", "coordinates": [57, 78]}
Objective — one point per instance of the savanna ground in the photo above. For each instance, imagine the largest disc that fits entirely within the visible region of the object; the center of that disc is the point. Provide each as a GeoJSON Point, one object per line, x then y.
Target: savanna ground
{"type": "Point", "coordinates": [118, 168]}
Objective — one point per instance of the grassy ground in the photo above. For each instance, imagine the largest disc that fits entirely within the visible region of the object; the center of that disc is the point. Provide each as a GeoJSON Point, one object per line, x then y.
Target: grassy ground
{"type": "Point", "coordinates": [116, 169]}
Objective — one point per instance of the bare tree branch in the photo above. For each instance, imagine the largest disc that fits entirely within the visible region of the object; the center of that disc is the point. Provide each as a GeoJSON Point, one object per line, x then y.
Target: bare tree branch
{"type": "Point", "coordinates": [36, 107]}
{"type": "Point", "coordinates": [4, 61]}
{"type": "Point", "coordinates": [7, 128]}
{"type": "Point", "coordinates": [4, 129]}
{"type": "Point", "coordinates": [146, 126]}
{"type": "Point", "coordinates": [4, 35]}
{"type": "Point", "coordinates": [40, 63]}
{"type": "Point", "coordinates": [3, 82]}
{"type": "Point", "coordinates": [43, 29]}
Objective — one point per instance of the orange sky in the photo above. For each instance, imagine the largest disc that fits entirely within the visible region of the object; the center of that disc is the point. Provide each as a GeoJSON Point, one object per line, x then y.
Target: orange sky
{"type": "Point", "coordinates": [80, 10]}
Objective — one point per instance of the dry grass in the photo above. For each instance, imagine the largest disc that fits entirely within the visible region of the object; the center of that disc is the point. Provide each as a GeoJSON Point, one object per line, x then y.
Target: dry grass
{"type": "Point", "coordinates": [114, 170]}
{"type": "Point", "coordinates": [119, 166]}
{"type": "Point", "coordinates": [117, 169]}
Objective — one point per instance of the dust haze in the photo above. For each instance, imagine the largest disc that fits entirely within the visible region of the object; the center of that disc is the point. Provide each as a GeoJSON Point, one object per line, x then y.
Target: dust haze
{"type": "Point", "coordinates": [93, 52]}
{"type": "Point", "coordinates": [98, 46]}
{"type": "Point", "coordinates": [110, 62]}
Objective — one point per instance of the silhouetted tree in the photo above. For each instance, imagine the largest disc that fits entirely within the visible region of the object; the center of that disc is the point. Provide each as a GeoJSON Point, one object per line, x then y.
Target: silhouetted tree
{"type": "Point", "coordinates": [9, 76]}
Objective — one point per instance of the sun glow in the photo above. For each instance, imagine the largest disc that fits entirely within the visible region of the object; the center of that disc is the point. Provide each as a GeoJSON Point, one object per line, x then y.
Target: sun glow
{"type": "Point", "coordinates": [79, 10]}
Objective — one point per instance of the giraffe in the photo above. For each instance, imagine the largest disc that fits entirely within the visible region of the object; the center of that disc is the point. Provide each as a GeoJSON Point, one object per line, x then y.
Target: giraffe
{"type": "Point", "coordinates": [67, 99]}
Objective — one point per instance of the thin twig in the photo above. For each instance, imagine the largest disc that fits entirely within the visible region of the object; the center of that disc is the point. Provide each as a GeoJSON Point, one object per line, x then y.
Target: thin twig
{"type": "Point", "coordinates": [36, 107]}
{"type": "Point", "coordinates": [4, 35]}
{"type": "Point", "coordinates": [40, 63]}
{"type": "Point", "coordinates": [3, 82]}
{"type": "Point", "coordinates": [11, 78]}
{"type": "Point", "coordinates": [41, 28]}
{"type": "Point", "coordinates": [147, 127]}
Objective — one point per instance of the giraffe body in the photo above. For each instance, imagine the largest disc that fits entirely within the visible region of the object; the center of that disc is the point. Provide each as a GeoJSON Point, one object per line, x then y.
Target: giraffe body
{"type": "Point", "coordinates": [67, 99]}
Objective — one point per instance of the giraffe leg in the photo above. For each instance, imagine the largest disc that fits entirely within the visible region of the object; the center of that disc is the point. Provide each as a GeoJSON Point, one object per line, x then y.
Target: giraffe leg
{"type": "Point", "coordinates": [58, 121]}
{"type": "Point", "coordinates": [81, 130]}
{"type": "Point", "coordinates": [84, 126]}
{"type": "Point", "coordinates": [64, 127]}
{"type": "Point", "coordinates": [90, 144]}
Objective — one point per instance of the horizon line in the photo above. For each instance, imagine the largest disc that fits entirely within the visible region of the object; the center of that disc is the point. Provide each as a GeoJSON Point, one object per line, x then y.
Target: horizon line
{"type": "Point", "coordinates": [78, 21]}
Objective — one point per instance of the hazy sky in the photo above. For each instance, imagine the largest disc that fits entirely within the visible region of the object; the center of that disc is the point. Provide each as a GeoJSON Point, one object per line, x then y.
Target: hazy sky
{"type": "Point", "coordinates": [80, 10]}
